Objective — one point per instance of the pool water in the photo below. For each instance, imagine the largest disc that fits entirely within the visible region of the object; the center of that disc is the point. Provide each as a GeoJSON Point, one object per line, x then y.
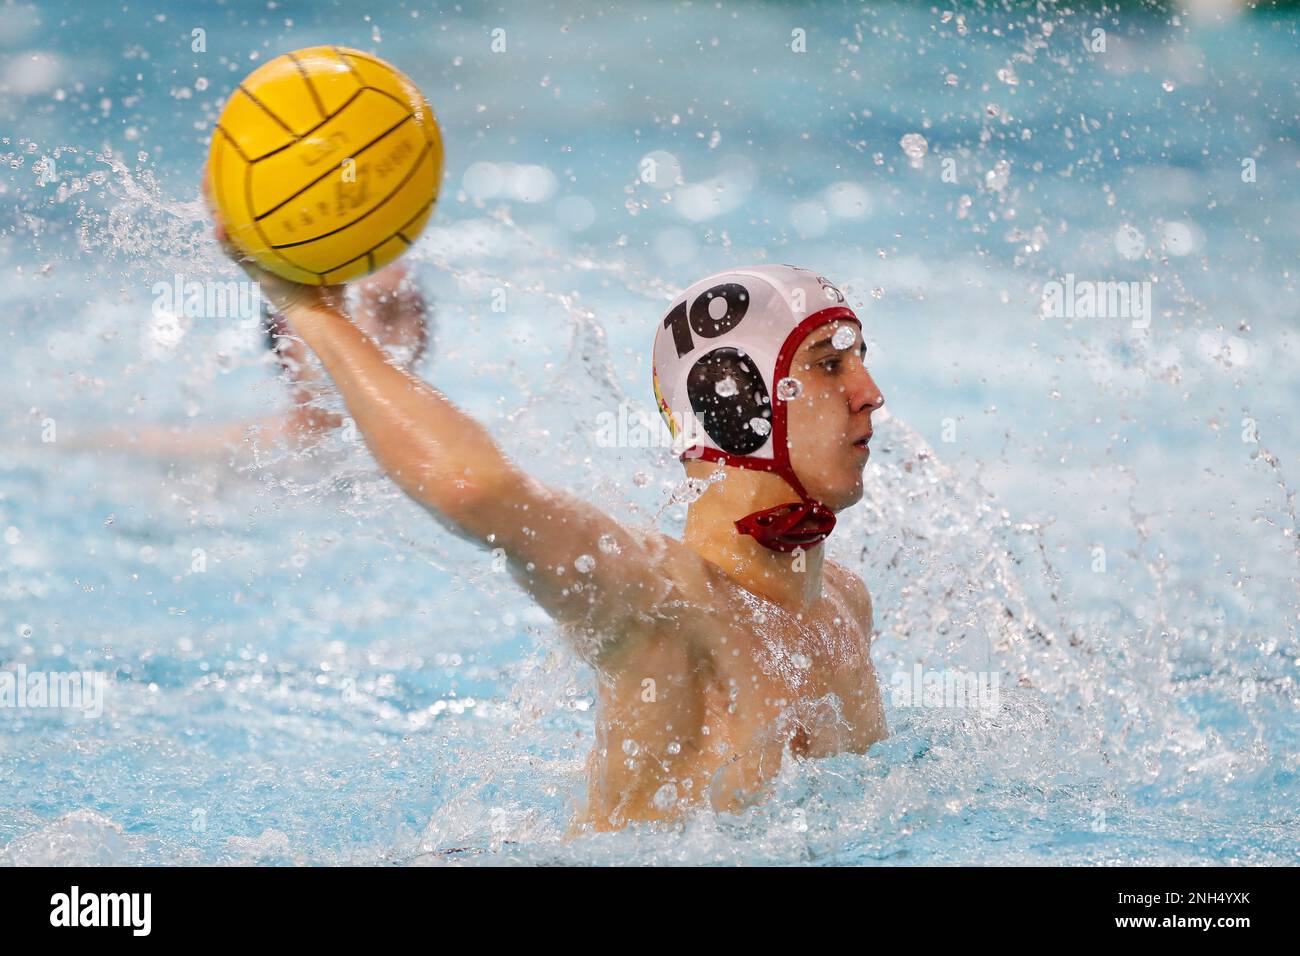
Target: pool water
{"type": "Point", "coordinates": [304, 669]}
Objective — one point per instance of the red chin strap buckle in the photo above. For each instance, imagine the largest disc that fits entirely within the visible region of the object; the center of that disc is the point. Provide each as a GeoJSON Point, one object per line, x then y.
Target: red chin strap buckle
{"type": "Point", "coordinates": [773, 528]}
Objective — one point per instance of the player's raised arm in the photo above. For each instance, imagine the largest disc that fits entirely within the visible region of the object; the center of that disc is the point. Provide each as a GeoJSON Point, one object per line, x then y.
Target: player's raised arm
{"type": "Point", "coordinates": [582, 566]}
{"type": "Point", "coordinates": [579, 564]}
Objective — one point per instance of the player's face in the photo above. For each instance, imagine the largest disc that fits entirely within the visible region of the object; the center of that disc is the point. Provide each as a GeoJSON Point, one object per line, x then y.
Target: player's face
{"type": "Point", "coordinates": [829, 423]}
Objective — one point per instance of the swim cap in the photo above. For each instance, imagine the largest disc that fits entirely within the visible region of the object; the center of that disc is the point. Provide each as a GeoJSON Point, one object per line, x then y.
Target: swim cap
{"type": "Point", "coordinates": [721, 372]}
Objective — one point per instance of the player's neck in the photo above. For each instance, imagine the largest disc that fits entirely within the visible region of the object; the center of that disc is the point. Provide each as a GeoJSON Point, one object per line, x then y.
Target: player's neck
{"type": "Point", "coordinates": [792, 580]}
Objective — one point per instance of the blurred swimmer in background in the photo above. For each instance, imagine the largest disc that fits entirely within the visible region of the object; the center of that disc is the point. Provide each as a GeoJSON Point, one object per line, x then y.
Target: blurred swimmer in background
{"type": "Point", "coordinates": [388, 306]}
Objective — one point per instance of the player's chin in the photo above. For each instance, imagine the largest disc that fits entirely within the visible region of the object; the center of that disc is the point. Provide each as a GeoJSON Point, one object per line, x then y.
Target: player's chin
{"type": "Point", "coordinates": [854, 496]}
{"type": "Point", "coordinates": [844, 493]}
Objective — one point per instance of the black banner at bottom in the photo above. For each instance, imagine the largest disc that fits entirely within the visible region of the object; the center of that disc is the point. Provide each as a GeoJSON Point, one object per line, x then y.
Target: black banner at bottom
{"type": "Point", "coordinates": [336, 905]}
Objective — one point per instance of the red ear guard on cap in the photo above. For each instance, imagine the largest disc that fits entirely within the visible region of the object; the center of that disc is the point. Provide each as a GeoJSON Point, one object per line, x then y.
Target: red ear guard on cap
{"type": "Point", "coordinates": [774, 528]}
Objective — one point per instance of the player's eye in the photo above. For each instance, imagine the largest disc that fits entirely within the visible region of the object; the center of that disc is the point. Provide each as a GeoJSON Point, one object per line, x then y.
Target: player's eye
{"type": "Point", "coordinates": [830, 365]}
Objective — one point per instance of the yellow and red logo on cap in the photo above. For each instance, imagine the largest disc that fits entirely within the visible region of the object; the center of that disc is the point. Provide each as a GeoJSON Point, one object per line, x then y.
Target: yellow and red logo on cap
{"type": "Point", "coordinates": [664, 410]}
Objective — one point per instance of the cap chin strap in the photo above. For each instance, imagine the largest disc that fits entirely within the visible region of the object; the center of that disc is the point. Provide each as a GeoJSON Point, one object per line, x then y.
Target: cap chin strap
{"type": "Point", "coordinates": [773, 528]}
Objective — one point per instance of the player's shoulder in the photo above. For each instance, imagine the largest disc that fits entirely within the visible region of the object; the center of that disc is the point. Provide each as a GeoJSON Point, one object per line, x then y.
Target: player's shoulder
{"type": "Point", "coordinates": [683, 584]}
{"type": "Point", "coordinates": [672, 599]}
{"type": "Point", "coordinates": [700, 598]}
{"type": "Point", "coordinates": [670, 556]}
{"type": "Point", "coordinates": [854, 592]}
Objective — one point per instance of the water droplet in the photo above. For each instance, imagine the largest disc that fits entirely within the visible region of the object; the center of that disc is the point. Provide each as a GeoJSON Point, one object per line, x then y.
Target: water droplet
{"type": "Point", "coordinates": [1008, 76]}
{"type": "Point", "coordinates": [607, 544]}
{"type": "Point", "coordinates": [1167, 86]}
{"type": "Point", "coordinates": [665, 796]}
{"type": "Point", "coordinates": [584, 563]}
{"type": "Point", "coordinates": [801, 661]}
{"type": "Point", "coordinates": [675, 748]}
{"type": "Point", "coordinates": [727, 387]}
{"type": "Point", "coordinates": [844, 337]}
{"type": "Point", "coordinates": [997, 178]}
{"type": "Point", "coordinates": [1180, 239]}
{"type": "Point", "coordinates": [788, 389]}
{"type": "Point", "coordinates": [1130, 243]}
{"type": "Point", "coordinates": [760, 426]}
{"type": "Point", "coordinates": [915, 147]}
{"type": "Point", "coordinates": [641, 479]}
{"type": "Point", "coordinates": [689, 490]}
{"type": "Point", "coordinates": [951, 79]}
{"type": "Point", "coordinates": [630, 747]}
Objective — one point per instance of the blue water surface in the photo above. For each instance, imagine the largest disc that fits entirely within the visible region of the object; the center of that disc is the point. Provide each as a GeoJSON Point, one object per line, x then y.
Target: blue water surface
{"type": "Point", "coordinates": [306, 669]}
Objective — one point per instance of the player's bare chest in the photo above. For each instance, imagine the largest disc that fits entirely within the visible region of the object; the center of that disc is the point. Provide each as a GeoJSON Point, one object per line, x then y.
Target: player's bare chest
{"type": "Point", "coordinates": [790, 681]}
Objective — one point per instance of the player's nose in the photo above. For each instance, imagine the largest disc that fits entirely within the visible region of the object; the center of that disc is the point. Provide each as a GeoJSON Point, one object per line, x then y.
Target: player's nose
{"type": "Point", "coordinates": [864, 394]}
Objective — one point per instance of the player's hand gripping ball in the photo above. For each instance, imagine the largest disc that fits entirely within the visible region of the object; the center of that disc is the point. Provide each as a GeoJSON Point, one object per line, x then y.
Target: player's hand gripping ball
{"type": "Point", "coordinates": [325, 165]}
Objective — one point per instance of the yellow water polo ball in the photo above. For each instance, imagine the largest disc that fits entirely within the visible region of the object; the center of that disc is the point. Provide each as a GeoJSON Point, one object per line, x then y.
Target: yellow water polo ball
{"type": "Point", "coordinates": [325, 164]}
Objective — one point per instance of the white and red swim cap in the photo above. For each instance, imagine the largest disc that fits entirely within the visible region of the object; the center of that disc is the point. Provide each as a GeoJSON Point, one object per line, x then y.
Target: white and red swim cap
{"type": "Point", "coordinates": [721, 371]}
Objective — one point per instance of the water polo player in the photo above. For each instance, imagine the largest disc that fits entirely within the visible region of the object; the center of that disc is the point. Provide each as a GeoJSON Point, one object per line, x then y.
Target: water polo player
{"type": "Point", "coordinates": [716, 655]}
